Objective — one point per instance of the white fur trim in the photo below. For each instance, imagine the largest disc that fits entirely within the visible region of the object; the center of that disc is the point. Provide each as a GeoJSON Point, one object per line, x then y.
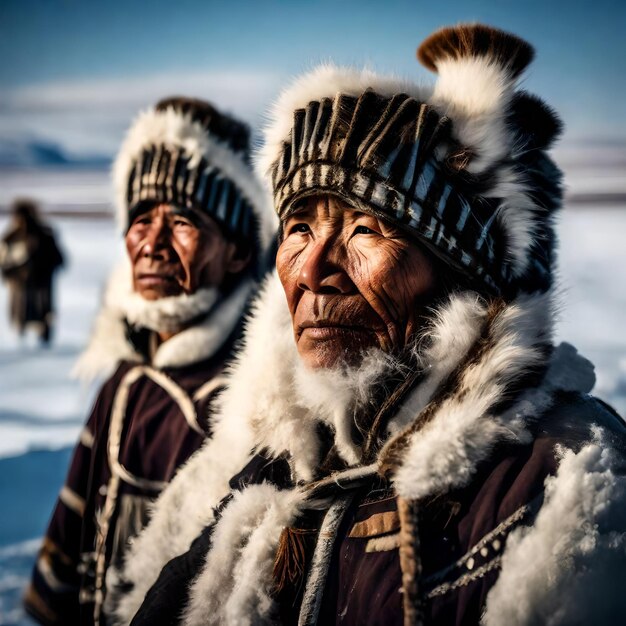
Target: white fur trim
{"type": "Point", "coordinates": [204, 339]}
{"type": "Point", "coordinates": [336, 396]}
{"type": "Point", "coordinates": [454, 330]}
{"type": "Point", "coordinates": [108, 345]}
{"type": "Point", "coordinates": [236, 580]}
{"type": "Point", "coordinates": [174, 129]}
{"type": "Point", "coordinates": [323, 392]}
{"type": "Point", "coordinates": [264, 378]}
{"type": "Point", "coordinates": [568, 567]}
{"type": "Point", "coordinates": [170, 313]}
{"type": "Point", "coordinates": [446, 451]}
{"type": "Point", "coordinates": [568, 371]}
{"type": "Point", "coordinates": [475, 93]}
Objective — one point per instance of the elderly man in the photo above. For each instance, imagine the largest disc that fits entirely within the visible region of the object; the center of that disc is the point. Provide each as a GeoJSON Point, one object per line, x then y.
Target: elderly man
{"type": "Point", "coordinates": [422, 453]}
{"type": "Point", "coordinates": [192, 215]}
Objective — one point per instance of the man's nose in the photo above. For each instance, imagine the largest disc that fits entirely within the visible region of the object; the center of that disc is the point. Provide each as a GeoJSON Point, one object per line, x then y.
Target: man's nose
{"type": "Point", "coordinates": [156, 242]}
{"type": "Point", "coordinates": [324, 271]}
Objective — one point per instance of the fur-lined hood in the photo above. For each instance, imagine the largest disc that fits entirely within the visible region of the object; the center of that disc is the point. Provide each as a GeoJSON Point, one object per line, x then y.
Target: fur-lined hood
{"type": "Point", "coordinates": [176, 130]}
{"type": "Point", "coordinates": [109, 345]}
{"type": "Point", "coordinates": [476, 349]}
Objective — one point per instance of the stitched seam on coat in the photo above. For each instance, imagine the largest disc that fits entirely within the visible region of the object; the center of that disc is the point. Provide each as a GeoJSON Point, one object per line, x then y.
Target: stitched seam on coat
{"type": "Point", "coordinates": [500, 529]}
{"type": "Point", "coordinates": [466, 579]}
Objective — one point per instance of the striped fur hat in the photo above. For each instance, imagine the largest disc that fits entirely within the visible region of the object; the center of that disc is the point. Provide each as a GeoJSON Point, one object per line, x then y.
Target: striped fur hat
{"type": "Point", "coordinates": [462, 166]}
{"type": "Point", "coordinates": [183, 151]}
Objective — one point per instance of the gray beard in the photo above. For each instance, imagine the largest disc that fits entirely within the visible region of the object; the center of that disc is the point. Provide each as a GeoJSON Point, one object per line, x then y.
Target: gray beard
{"type": "Point", "coordinates": [169, 314]}
{"type": "Point", "coordinates": [338, 396]}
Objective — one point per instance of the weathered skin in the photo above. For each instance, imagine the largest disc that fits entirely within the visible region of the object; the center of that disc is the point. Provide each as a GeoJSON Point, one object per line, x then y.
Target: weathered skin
{"type": "Point", "coordinates": [352, 281]}
{"type": "Point", "coordinates": [176, 251]}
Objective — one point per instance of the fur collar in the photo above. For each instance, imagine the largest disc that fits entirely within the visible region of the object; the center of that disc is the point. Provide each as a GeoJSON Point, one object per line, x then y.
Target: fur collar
{"type": "Point", "coordinates": [108, 345]}
{"type": "Point", "coordinates": [473, 352]}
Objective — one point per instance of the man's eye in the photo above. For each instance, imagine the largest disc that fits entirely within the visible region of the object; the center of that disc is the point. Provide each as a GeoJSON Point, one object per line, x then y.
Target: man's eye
{"type": "Point", "coordinates": [363, 230]}
{"type": "Point", "coordinates": [299, 228]}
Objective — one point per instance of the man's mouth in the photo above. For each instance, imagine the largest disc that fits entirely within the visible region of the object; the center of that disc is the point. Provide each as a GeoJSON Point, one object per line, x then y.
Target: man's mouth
{"type": "Point", "coordinates": [330, 328]}
{"type": "Point", "coordinates": [148, 279]}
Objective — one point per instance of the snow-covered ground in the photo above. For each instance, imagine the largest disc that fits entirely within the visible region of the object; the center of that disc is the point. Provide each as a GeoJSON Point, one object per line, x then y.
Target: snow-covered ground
{"type": "Point", "coordinates": [39, 405]}
{"type": "Point", "coordinates": [41, 409]}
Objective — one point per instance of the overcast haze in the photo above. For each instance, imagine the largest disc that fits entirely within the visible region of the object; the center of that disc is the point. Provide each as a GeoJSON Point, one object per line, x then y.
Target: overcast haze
{"type": "Point", "coordinates": [74, 72]}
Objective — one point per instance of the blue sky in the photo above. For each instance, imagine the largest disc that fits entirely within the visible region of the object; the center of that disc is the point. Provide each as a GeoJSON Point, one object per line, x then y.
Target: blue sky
{"type": "Point", "coordinates": [75, 71]}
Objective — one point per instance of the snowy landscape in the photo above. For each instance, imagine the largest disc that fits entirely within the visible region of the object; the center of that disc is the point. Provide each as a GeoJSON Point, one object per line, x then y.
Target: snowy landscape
{"type": "Point", "coordinates": [73, 76]}
{"type": "Point", "coordinates": [42, 409]}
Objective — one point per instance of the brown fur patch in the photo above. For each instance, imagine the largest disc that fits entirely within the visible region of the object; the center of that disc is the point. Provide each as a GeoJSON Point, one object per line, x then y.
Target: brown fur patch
{"type": "Point", "coordinates": [476, 40]}
{"type": "Point", "coordinates": [291, 557]}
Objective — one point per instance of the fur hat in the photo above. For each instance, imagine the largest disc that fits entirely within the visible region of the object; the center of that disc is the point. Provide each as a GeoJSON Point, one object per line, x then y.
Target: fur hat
{"type": "Point", "coordinates": [186, 152]}
{"type": "Point", "coordinates": [461, 166]}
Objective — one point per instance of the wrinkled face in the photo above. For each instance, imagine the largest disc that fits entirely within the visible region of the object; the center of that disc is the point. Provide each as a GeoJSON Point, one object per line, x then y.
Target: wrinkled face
{"type": "Point", "coordinates": [352, 282]}
{"type": "Point", "coordinates": [175, 251]}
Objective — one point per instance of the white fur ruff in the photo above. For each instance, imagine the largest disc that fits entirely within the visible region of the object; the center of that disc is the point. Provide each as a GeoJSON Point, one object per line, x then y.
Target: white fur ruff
{"type": "Point", "coordinates": [168, 314]}
{"type": "Point", "coordinates": [336, 397]}
{"type": "Point", "coordinates": [445, 453]}
{"type": "Point", "coordinates": [108, 344]}
{"type": "Point", "coordinates": [454, 331]}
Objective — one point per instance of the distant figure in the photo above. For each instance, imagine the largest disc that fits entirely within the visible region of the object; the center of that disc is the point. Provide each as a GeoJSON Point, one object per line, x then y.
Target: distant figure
{"type": "Point", "coordinates": [29, 257]}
